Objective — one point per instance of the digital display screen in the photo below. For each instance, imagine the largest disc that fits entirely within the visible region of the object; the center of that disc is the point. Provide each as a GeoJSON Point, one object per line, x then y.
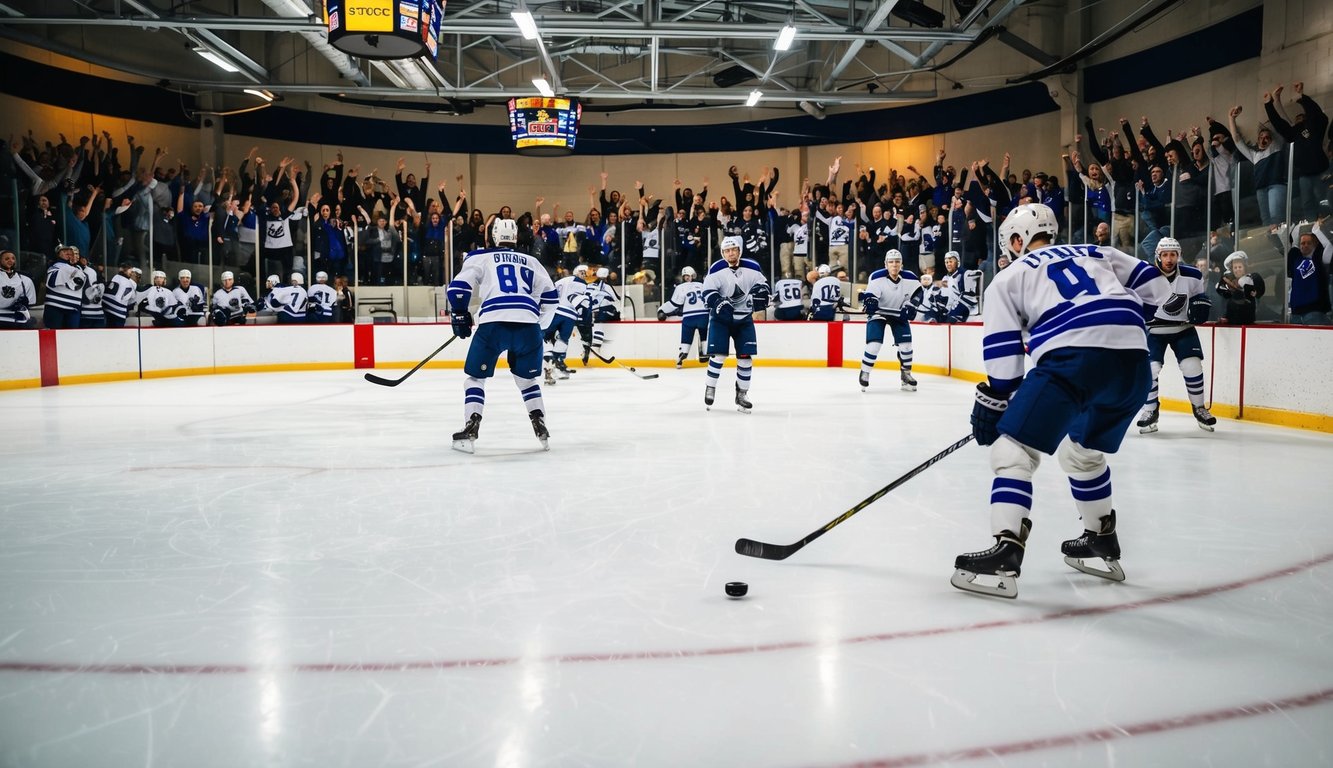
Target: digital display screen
{"type": "Point", "coordinates": [542, 126]}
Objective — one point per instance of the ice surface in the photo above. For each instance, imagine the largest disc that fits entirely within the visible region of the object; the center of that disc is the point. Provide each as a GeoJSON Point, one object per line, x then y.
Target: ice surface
{"type": "Point", "coordinates": [295, 569]}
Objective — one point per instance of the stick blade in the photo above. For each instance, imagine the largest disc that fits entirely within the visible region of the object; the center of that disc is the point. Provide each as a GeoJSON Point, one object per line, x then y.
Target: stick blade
{"type": "Point", "coordinates": [650, 376]}
{"type": "Point", "coordinates": [752, 548]}
{"type": "Point", "coordinates": [383, 382]}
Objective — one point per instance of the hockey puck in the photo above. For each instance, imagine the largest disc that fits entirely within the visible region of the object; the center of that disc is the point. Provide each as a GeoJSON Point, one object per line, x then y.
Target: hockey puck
{"type": "Point", "coordinates": [737, 588]}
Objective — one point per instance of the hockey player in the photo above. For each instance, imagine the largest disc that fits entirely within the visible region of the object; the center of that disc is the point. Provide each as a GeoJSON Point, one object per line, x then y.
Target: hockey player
{"type": "Point", "coordinates": [787, 295]}
{"type": "Point", "coordinates": [572, 309]}
{"type": "Point", "coordinates": [826, 295]}
{"type": "Point", "coordinates": [322, 300]}
{"type": "Point", "coordinates": [231, 302]}
{"type": "Point", "coordinates": [91, 314]}
{"type": "Point", "coordinates": [891, 298]}
{"type": "Point", "coordinates": [605, 303]}
{"type": "Point", "coordinates": [288, 302]}
{"type": "Point", "coordinates": [64, 290]}
{"type": "Point", "coordinates": [191, 297]}
{"type": "Point", "coordinates": [266, 304]}
{"type": "Point", "coordinates": [118, 298]}
{"type": "Point", "coordinates": [161, 303]}
{"type": "Point", "coordinates": [734, 290]}
{"type": "Point", "coordinates": [1173, 326]}
{"type": "Point", "coordinates": [1078, 311]}
{"type": "Point", "coordinates": [17, 294]}
{"type": "Point", "coordinates": [688, 302]}
{"type": "Point", "coordinates": [516, 296]}
{"type": "Point", "coordinates": [961, 290]}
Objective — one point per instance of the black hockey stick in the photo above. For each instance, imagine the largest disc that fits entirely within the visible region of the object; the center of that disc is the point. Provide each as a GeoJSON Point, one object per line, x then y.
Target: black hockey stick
{"type": "Point", "coordinates": [612, 359]}
{"type": "Point", "coordinates": [752, 548]}
{"type": "Point", "coordinates": [383, 382]}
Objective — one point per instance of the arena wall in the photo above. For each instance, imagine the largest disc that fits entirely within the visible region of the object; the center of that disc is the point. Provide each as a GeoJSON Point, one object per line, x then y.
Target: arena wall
{"type": "Point", "coordinates": [1270, 374]}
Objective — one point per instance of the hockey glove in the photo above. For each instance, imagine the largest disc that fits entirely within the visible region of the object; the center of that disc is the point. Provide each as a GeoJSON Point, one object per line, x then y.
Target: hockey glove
{"type": "Point", "coordinates": [77, 281]}
{"type": "Point", "coordinates": [548, 335]}
{"type": "Point", "coordinates": [462, 323]}
{"type": "Point", "coordinates": [760, 294]}
{"type": "Point", "coordinates": [661, 316]}
{"type": "Point", "coordinates": [1200, 306]}
{"type": "Point", "coordinates": [585, 325]}
{"type": "Point", "coordinates": [21, 303]}
{"type": "Point", "coordinates": [870, 306]}
{"type": "Point", "coordinates": [986, 412]}
{"type": "Point", "coordinates": [723, 314]}
{"type": "Point", "coordinates": [908, 312]}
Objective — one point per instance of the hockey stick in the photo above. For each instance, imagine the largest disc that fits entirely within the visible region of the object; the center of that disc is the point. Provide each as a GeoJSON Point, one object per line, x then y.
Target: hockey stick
{"type": "Point", "coordinates": [612, 359]}
{"type": "Point", "coordinates": [373, 379]}
{"type": "Point", "coordinates": [752, 548]}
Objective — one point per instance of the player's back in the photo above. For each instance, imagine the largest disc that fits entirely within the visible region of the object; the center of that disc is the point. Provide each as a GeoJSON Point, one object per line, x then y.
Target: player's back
{"type": "Point", "coordinates": [787, 292]}
{"type": "Point", "coordinates": [827, 290]}
{"type": "Point", "coordinates": [512, 285]}
{"type": "Point", "coordinates": [1072, 296]}
{"type": "Point", "coordinates": [689, 297]}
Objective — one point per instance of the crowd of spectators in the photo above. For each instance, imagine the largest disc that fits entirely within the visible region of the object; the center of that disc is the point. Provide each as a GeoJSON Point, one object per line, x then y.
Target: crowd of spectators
{"type": "Point", "coordinates": [116, 210]}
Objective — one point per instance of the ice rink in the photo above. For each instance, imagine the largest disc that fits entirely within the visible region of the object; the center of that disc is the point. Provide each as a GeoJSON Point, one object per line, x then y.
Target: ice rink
{"type": "Point", "coordinates": [295, 569]}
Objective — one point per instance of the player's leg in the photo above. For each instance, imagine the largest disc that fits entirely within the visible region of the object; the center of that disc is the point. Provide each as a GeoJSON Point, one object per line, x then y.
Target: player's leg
{"type": "Point", "coordinates": [701, 328]}
{"type": "Point", "coordinates": [1189, 355]}
{"type": "Point", "coordinates": [902, 337]}
{"type": "Point", "coordinates": [525, 363]}
{"type": "Point", "coordinates": [479, 366]}
{"type": "Point", "coordinates": [746, 347]}
{"type": "Point", "coordinates": [1147, 422]}
{"type": "Point", "coordinates": [874, 342]}
{"type": "Point", "coordinates": [564, 330]}
{"type": "Point", "coordinates": [1090, 484]}
{"type": "Point", "coordinates": [686, 336]}
{"type": "Point", "coordinates": [719, 345]}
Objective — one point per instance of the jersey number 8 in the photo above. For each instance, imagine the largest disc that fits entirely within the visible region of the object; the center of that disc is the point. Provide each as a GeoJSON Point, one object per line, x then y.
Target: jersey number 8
{"type": "Point", "coordinates": [508, 278]}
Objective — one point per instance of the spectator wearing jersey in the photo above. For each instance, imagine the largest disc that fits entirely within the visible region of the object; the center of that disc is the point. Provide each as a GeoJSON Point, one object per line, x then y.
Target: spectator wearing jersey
{"type": "Point", "coordinates": [1305, 136]}
{"type": "Point", "coordinates": [1308, 269]}
{"type": "Point", "coordinates": [194, 228]}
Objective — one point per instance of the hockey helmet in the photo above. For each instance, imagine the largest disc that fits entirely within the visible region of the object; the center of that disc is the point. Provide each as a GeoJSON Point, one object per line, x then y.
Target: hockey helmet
{"type": "Point", "coordinates": [505, 231]}
{"type": "Point", "coordinates": [688, 272]}
{"type": "Point", "coordinates": [228, 276]}
{"type": "Point", "coordinates": [893, 255]}
{"type": "Point", "coordinates": [1164, 245]}
{"type": "Point", "coordinates": [581, 270]}
{"type": "Point", "coordinates": [136, 270]}
{"type": "Point", "coordinates": [298, 278]}
{"type": "Point", "coordinates": [272, 281]}
{"type": "Point", "coordinates": [1027, 221]}
{"type": "Point", "coordinates": [603, 273]}
{"type": "Point", "coordinates": [951, 255]}
{"type": "Point", "coordinates": [823, 270]}
{"type": "Point", "coordinates": [184, 274]}
{"type": "Point", "coordinates": [733, 241]}
{"type": "Point", "coordinates": [321, 277]}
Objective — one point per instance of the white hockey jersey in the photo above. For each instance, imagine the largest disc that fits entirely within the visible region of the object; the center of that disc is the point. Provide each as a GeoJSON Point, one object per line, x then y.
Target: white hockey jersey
{"type": "Point", "coordinates": [235, 302]}
{"type": "Point", "coordinates": [192, 299]}
{"type": "Point", "coordinates": [160, 302]}
{"type": "Point", "coordinates": [17, 293]}
{"type": "Point", "coordinates": [652, 241]}
{"type": "Point", "coordinates": [604, 300]}
{"type": "Point", "coordinates": [1065, 296]}
{"type": "Point", "coordinates": [826, 293]}
{"type": "Point", "coordinates": [64, 285]}
{"type": "Point", "coordinates": [687, 301]}
{"type": "Point", "coordinates": [734, 285]}
{"type": "Point", "coordinates": [322, 300]}
{"type": "Point", "coordinates": [839, 228]}
{"type": "Point", "coordinates": [963, 288]}
{"type": "Point", "coordinates": [514, 287]}
{"type": "Point", "coordinates": [572, 293]}
{"type": "Point", "coordinates": [892, 294]}
{"type": "Point", "coordinates": [118, 298]}
{"type": "Point", "coordinates": [1173, 315]}
{"type": "Point", "coordinates": [92, 296]}
{"type": "Point", "coordinates": [800, 238]}
{"type": "Point", "coordinates": [288, 301]}
{"type": "Point", "coordinates": [787, 293]}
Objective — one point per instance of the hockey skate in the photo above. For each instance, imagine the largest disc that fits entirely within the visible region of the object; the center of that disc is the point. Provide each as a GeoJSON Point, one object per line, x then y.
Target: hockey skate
{"type": "Point", "coordinates": [865, 380]}
{"type": "Point", "coordinates": [562, 369]}
{"type": "Point", "coordinates": [709, 394]}
{"type": "Point", "coordinates": [1093, 545]}
{"type": "Point", "coordinates": [908, 383]}
{"type": "Point", "coordinates": [680, 361]}
{"type": "Point", "coordinates": [1002, 561]}
{"type": "Point", "coordinates": [1148, 424]}
{"type": "Point", "coordinates": [703, 358]}
{"type": "Point", "coordinates": [547, 378]}
{"type": "Point", "coordinates": [587, 352]}
{"type": "Point", "coordinates": [539, 427]}
{"type": "Point", "coordinates": [743, 403]}
{"type": "Point", "coordinates": [1205, 420]}
{"type": "Point", "coordinates": [466, 440]}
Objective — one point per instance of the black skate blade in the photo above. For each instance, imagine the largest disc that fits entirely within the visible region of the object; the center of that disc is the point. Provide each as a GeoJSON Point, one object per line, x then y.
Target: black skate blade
{"type": "Point", "coordinates": [465, 446]}
{"type": "Point", "coordinates": [1112, 570]}
{"type": "Point", "coordinates": [1006, 584]}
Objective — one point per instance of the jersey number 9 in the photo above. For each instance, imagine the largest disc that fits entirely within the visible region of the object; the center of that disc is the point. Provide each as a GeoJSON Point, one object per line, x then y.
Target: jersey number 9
{"type": "Point", "coordinates": [509, 277]}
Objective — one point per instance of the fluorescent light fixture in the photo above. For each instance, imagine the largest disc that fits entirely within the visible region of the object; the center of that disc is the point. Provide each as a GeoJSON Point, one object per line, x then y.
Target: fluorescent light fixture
{"type": "Point", "coordinates": [261, 93]}
{"type": "Point", "coordinates": [526, 24]}
{"type": "Point", "coordinates": [755, 96]}
{"type": "Point", "coordinates": [543, 87]}
{"type": "Point", "coordinates": [785, 37]}
{"type": "Point", "coordinates": [218, 61]}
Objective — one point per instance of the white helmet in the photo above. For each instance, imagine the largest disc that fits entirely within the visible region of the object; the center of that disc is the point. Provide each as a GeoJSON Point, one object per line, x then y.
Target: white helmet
{"type": "Point", "coordinates": [184, 273]}
{"type": "Point", "coordinates": [1027, 221]}
{"type": "Point", "coordinates": [603, 273]}
{"type": "Point", "coordinates": [733, 241]}
{"type": "Point", "coordinates": [893, 255]}
{"type": "Point", "coordinates": [159, 273]}
{"type": "Point", "coordinates": [951, 255]}
{"type": "Point", "coordinates": [272, 280]}
{"type": "Point", "coordinates": [228, 276]}
{"type": "Point", "coordinates": [824, 269]}
{"type": "Point", "coordinates": [298, 278]}
{"type": "Point", "coordinates": [1240, 256]}
{"type": "Point", "coordinates": [321, 277]}
{"type": "Point", "coordinates": [1166, 244]}
{"type": "Point", "coordinates": [688, 271]}
{"type": "Point", "coordinates": [581, 270]}
{"type": "Point", "coordinates": [505, 231]}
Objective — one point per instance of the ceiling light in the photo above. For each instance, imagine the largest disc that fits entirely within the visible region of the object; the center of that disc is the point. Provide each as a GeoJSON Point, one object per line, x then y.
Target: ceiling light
{"type": "Point", "coordinates": [261, 93]}
{"type": "Point", "coordinates": [785, 37]}
{"type": "Point", "coordinates": [754, 98]}
{"type": "Point", "coordinates": [543, 87]}
{"type": "Point", "coordinates": [526, 24]}
{"type": "Point", "coordinates": [221, 63]}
